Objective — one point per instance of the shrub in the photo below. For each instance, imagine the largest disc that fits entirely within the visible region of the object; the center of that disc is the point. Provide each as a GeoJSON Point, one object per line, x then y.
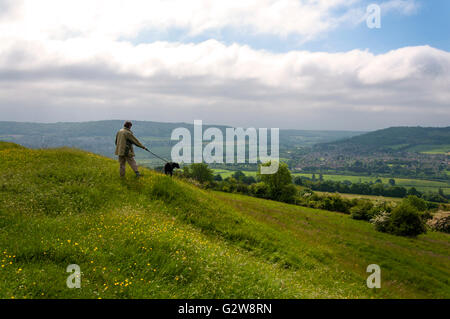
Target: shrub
{"type": "Point", "coordinates": [340, 204]}
{"type": "Point", "coordinates": [242, 188]}
{"type": "Point", "coordinates": [277, 181]}
{"type": "Point", "coordinates": [200, 172]}
{"type": "Point", "coordinates": [362, 211]}
{"type": "Point", "coordinates": [380, 207]}
{"type": "Point", "coordinates": [288, 193]}
{"type": "Point", "coordinates": [416, 202]}
{"type": "Point", "coordinates": [406, 221]}
{"type": "Point", "coordinates": [260, 190]}
{"type": "Point", "coordinates": [382, 221]}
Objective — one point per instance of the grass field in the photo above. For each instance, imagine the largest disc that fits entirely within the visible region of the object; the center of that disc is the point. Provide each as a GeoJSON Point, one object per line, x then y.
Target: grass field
{"type": "Point", "coordinates": [371, 197]}
{"type": "Point", "coordinates": [431, 149]}
{"type": "Point", "coordinates": [158, 237]}
{"type": "Point", "coordinates": [419, 184]}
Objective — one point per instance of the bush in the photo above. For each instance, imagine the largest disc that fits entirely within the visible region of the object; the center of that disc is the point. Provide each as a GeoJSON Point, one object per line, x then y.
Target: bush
{"type": "Point", "coordinates": [340, 204]}
{"type": "Point", "coordinates": [277, 182]}
{"type": "Point", "coordinates": [382, 222]}
{"type": "Point", "coordinates": [380, 207]}
{"type": "Point", "coordinates": [406, 221]}
{"type": "Point", "coordinates": [416, 202]}
{"type": "Point", "coordinates": [362, 211]}
{"type": "Point", "coordinates": [288, 194]}
{"type": "Point", "coordinates": [199, 171]}
{"type": "Point", "coordinates": [260, 190]}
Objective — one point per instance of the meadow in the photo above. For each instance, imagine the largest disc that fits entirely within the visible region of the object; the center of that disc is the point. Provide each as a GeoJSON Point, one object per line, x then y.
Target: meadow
{"type": "Point", "coordinates": [161, 237]}
{"type": "Point", "coordinates": [431, 149]}
{"type": "Point", "coordinates": [419, 184]}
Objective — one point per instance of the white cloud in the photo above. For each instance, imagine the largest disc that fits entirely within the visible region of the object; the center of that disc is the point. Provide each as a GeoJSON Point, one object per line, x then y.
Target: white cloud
{"type": "Point", "coordinates": [71, 63]}
{"type": "Point", "coordinates": [215, 81]}
{"type": "Point", "coordinates": [406, 7]}
{"type": "Point", "coordinates": [112, 19]}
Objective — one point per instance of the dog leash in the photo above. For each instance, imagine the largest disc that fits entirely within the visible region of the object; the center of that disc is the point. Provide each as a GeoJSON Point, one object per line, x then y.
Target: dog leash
{"type": "Point", "coordinates": [158, 156]}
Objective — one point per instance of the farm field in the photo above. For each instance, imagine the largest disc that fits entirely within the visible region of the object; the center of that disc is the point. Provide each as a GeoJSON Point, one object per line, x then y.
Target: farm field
{"type": "Point", "coordinates": [161, 237]}
{"type": "Point", "coordinates": [371, 197]}
{"type": "Point", "coordinates": [419, 184]}
{"type": "Point", "coordinates": [431, 149]}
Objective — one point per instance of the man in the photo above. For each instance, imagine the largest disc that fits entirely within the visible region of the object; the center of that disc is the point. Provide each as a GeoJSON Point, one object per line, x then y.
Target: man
{"type": "Point", "coordinates": [124, 148]}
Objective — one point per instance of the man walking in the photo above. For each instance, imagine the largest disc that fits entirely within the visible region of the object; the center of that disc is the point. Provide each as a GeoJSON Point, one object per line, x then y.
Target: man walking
{"type": "Point", "coordinates": [124, 148]}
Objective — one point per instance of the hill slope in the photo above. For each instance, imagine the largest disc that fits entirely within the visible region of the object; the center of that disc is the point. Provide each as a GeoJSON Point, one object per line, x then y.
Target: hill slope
{"type": "Point", "coordinates": [158, 237]}
{"type": "Point", "coordinates": [395, 139]}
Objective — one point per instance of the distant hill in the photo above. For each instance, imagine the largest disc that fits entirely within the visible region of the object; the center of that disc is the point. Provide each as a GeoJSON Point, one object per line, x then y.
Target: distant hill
{"type": "Point", "coordinates": [98, 136]}
{"type": "Point", "coordinates": [395, 139]}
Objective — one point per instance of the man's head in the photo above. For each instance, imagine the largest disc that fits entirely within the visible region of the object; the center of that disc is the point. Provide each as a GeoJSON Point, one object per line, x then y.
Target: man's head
{"type": "Point", "coordinates": [128, 124]}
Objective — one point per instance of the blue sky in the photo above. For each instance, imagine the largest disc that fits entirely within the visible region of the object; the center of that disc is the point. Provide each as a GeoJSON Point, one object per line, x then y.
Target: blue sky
{"type": "Point", "coordinates": [428, 25]}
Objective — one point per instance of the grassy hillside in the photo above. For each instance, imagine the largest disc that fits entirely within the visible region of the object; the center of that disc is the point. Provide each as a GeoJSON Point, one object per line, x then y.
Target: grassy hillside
{"type": "Point", "coordinates": [412, 139]}
{"type": "Point", "coordinates": [158, 237]}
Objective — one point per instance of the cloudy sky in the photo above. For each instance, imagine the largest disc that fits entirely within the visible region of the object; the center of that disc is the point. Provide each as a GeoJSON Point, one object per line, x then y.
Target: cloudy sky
{"type": "Point", "coordinates": [304, 64]}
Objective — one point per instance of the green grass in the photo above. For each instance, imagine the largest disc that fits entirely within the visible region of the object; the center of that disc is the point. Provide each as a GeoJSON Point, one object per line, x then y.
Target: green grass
{"type": "Point", "coordinates": [371, 197]}
{"type": "Point", "coordinates": [419, 184]}
{"type": "Point", "coordinates": [158, 237]}
{"type": "Point", "coordinates": [431, 149]}
{"type": "Point", "coordinates": [227, 173]}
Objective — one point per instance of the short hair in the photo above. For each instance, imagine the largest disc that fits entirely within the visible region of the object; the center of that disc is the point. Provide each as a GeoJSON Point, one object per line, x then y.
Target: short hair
{"type": "Point", "coordinates": [127, 124]}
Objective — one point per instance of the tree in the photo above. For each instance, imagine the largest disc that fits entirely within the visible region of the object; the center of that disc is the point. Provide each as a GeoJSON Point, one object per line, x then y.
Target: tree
{"type": "Point", "coordinates": [277, 182]}
{"type": "Point", "coordinates": [392, 182]}
{"type": "Point", "coordinates": [260, 190]}
{"type": "Point", "coordinates": [406, 221]}
{"type": "Point", "coordinates": [249, 180]}
{"type": "Point", "coordinates": [201, 172]}
{"type": "Point", "coordinates": [362, 211]}
{"type": "Point", "coordinates": [416, 202]}
{"type": "Point", "coordinates": [238, 175]}
{"type": "Point", "coordinates": [414, 191]}
{"type": "Point", "coordinates": [298, 180]}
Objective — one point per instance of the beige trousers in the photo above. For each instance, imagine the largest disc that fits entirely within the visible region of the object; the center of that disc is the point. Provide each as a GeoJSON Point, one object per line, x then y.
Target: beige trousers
{"type": "Point", "coordinates": [123, 161]}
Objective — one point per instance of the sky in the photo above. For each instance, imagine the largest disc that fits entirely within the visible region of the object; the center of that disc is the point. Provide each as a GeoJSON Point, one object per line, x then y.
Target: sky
{"type": "Point", "coordinates": [301, 64]}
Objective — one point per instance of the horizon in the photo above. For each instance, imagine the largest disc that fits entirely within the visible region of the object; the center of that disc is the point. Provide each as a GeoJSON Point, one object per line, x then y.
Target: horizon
{"type": "Point", "coordinates": [227, 125]}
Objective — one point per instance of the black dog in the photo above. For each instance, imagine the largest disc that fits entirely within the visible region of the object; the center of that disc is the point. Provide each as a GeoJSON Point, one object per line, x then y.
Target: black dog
{"type": "Point", "coordinates": [169, 167]}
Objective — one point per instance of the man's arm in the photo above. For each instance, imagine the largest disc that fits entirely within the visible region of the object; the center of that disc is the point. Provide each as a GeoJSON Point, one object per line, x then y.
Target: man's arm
{"type": "Point", "coordinates": [135, 141]}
